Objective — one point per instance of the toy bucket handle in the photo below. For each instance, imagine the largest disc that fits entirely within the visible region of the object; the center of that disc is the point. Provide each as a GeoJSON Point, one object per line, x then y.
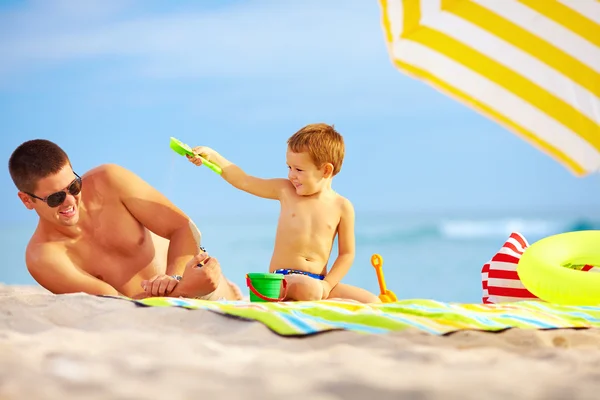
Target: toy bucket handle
{"type": "Point", "coordinates": [265, 298]}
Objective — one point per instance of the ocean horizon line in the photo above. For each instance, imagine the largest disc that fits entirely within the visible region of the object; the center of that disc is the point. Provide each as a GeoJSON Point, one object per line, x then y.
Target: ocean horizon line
{"type": "Point", "coordinates": [468, 214]}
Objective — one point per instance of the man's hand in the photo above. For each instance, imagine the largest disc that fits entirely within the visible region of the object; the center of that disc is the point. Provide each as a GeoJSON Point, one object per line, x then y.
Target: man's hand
{"type": "Point", "coordinates": [201, 276]}
{"type": "Point", "coordinates": [160, 285]}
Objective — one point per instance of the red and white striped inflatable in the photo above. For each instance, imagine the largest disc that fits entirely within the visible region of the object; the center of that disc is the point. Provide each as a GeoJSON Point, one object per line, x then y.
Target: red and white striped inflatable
{"type": "Point", "coordinates": [499, 276]}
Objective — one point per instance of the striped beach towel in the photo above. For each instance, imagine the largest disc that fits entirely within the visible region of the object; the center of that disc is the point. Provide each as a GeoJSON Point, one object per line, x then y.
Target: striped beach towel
{"type": "Point", "coordinates": [532, 66]}
{"type": "Point", "coordinates": [435, 317]}
{"type": "Point", "coordinates": [499, 278]}
{"type": "Point", "coordinates": [506, 304]}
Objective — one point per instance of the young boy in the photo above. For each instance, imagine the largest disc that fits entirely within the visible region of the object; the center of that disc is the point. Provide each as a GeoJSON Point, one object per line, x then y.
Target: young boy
{"type": "Point", "coordinates": [311, 214]}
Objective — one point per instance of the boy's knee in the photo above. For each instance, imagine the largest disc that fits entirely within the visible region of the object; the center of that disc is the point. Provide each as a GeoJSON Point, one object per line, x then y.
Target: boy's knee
{"type": "Point", "coordinates": [375, 299]}
{"type": "Point", "coordinates": [306, 289]}
{"type": "Point", "coordinates": [311, 295]}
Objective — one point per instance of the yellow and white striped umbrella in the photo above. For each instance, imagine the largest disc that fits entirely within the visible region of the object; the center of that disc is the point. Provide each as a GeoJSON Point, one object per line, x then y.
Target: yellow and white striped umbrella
{"type": "Point", "coordinates": [531, 65]}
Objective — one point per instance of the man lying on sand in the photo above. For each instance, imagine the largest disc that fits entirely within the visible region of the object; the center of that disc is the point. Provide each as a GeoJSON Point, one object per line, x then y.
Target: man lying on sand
{"type": "Point", "coordinates": [109, 232]}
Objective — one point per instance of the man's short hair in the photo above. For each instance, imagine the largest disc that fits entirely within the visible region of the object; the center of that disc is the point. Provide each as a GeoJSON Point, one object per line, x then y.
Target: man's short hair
{"type": "Point", "coordinates": [34, 160]}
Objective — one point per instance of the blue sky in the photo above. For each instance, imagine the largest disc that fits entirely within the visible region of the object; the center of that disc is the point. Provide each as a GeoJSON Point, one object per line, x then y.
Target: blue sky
{"type": "Point", "coordinates": [112, 80]}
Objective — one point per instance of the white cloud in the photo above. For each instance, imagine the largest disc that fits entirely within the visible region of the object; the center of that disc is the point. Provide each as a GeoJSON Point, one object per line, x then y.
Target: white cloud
{"type": "Point", "coordinates": [260, 59]}
{"type": "Point", "coordinates": [274, 38]}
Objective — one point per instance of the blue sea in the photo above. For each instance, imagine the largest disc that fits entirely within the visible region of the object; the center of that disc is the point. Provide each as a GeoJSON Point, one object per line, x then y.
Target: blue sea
{"type": "Point", "coordinates": [438, 257]}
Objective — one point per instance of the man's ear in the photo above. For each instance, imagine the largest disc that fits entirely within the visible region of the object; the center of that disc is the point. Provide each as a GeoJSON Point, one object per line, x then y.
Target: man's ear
{"type": "Point", "coordinates": [26, 200]}
{"type": "Point", "coordinates": [328, 170]}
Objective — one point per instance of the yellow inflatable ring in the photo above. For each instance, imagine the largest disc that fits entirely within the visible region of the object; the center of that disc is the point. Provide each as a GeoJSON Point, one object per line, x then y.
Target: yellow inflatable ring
{"type": "Point", "coordinates": [541, 268]}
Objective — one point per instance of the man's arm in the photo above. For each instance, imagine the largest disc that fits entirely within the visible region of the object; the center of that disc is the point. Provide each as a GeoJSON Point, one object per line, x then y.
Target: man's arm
{"type": "Point", "coordinates": [346, 246]}
{"type": "Point", "coordinates": [53, 270]}
{"type": "Point", "coordinates": [235, 176]}
{"type": "Point", "coordinates": [153, 210]}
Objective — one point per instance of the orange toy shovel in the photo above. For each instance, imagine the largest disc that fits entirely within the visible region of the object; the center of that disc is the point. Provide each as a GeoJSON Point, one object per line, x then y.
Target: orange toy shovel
{"type": "Point", "coordinates": [386, 296]}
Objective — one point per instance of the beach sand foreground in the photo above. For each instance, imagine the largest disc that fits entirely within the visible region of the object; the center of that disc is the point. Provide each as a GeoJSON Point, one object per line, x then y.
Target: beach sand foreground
{"type": "Point", "coordinates": [85, 347]}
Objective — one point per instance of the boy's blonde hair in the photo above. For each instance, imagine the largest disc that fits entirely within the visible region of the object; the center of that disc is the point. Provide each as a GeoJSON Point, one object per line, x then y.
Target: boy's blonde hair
{"type": "Point", "coordinates": [322, 142]}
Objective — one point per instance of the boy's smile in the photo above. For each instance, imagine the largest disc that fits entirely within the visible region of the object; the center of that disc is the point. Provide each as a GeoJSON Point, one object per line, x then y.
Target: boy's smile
{"type": "Point", "coordinates": [304, 174]}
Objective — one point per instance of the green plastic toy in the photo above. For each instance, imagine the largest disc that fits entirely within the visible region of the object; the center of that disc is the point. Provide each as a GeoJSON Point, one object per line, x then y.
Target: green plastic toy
{"type": "Point", "coordinates": [266, 287]}
{"type": "Point", "coordinates": [183, 149]}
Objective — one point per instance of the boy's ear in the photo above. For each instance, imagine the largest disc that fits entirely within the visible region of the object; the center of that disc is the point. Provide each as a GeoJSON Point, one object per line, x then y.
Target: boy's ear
{"type": "Point", "coordinates": [328, 170]}
{"type": "Point", "coordinates": [26, 200]}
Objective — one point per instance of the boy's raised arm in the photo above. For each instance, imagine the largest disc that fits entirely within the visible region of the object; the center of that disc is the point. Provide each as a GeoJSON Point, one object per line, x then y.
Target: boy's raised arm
{"type": "Point", "coordinates": [346, 246]}
{"type": "Point", "coordinates": [235, 176]}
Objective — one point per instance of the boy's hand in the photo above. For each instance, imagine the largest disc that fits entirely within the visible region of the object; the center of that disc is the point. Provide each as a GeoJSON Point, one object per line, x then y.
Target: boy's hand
{"type": "Point", "coordinates": [206, 152]}
{"type": "Point", "coordinates": [326, 289]}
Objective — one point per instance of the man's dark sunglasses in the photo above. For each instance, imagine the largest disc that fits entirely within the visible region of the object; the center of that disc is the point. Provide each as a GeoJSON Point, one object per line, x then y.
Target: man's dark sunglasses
{"type": "Point", "coordinates": [56, 199]}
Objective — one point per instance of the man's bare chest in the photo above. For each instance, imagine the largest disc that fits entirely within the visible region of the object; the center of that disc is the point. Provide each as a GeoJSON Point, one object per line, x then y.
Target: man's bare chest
{"type": "Point", "coordinates": [111, 245]}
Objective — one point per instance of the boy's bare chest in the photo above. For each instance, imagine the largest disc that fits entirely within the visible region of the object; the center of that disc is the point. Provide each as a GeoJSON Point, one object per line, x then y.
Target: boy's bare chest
{"type": "Point", "coordinates": [311, 216]}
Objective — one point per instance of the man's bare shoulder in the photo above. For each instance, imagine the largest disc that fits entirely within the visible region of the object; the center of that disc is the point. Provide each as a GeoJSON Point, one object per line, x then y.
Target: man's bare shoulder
{"type": "Point", "coordinates": [111, 180]}
{"type": "Point", "coordinates": [50, 265]}
{"type": "Point", "coordinates": [105, 173]}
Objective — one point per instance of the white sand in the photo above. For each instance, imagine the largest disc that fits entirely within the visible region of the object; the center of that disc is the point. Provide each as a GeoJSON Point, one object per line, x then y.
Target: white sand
{"type": "Point", "coordinates": [86, 347]}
